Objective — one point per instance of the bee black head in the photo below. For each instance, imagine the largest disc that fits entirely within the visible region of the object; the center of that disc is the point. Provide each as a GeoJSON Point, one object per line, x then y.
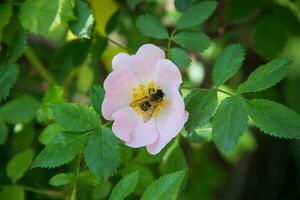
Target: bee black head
{"type": "Point", "coordinates": [160, 93]}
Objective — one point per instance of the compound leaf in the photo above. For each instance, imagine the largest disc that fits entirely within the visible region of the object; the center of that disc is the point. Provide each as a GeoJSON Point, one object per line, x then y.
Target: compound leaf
{"type": "Point", "coordinates": [75, 117]}
{"type": "Point", "coordinates": [165, 188]}
{"type": "Point", "coordinates": [102, 154]}
{"type": "Point", "coordinates": [19, 164]}
{"type": "Point", "coordinates": [125, 186]}
{"type": "Point", "coordinates": [274, 119]}
{"type": "Point", "coordinates": [230, 123]}
{"type": "Point", "coordinates": [151, 26]}
{"type": "Point", "coordinates": [228, 64]}
{"type": "Point", "coordinates": [196, 14]}
{"type": "Point", "coordinates": [266, 76]}
{"type": "Point", "coordinates": [195, 41]}
{"type": "Point", "coordinates": [55, 155]}
{"type": "Point", "coordinates": [8, 76]}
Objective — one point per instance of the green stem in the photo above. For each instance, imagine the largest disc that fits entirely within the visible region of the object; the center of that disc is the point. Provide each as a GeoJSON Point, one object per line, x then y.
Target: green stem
{"type": "Point", "coordinates": [38, 65]}
{"type": "Point", "coordinates": [120, 45]}
{"type": "Point", "coordinates": [225, 92]}
{"type": "Point", "coordinates": [107, 123]}
{"type": "Point", "coordinates": [169, 43]}
{"type": "Point", "coordinates": [74, 190]}
{"type": "Point", "coordinates": [50, 193]}
{"type": "Point", "coordinates": [72, 75]}
{"type": "Point", "coordinates": [192, 88]}
{"type": "Point", "coordinates": [206, 89]}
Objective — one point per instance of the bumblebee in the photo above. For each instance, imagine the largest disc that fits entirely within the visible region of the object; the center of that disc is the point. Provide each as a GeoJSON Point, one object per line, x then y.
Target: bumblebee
{"type": "Point", "coordinates": [149, 103]}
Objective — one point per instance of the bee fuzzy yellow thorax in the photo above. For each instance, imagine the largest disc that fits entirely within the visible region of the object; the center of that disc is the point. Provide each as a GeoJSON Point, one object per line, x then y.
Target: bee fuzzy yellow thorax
{"type": "Point", "coordinates": [141, 94]}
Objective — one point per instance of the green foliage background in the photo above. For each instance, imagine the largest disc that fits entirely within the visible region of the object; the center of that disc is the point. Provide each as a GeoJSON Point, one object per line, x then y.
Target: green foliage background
{"type": "Point", "coordinates": [240, 65]}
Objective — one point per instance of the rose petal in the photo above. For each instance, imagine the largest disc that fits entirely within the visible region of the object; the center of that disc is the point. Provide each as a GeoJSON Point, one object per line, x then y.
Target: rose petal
{"type": "Point", "coordinates": [118, 86]}
{"type": "Point", "coordinates": [169, 125]}
{"type": "Point", "coordinates": [167, 74]}
{"type": "Point", "coordinates": [170, 120]}
{"type": "Point", "coordinates": [143, 134]}
{"type": "Point", "coordinates": [120, 61]}
{"type": "Point", "coordinates": [125, 121]}
{"type": "Point", "coordinates": [143, 62]}
{"type": "Point", "coordinates": [174, 100]}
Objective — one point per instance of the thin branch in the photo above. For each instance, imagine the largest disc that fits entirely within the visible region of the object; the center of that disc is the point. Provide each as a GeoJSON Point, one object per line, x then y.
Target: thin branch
{"type": "Point", "coordinates": [206, 89]}
{"type": "Point", "coordinates": [74, 190]}
{"type": "Point", "coordinates": [38, 65]}
{"type": "Point", "coordinates": [120, 45]}
{"type": "Point", "coordinates": [50, 193]}
{"type": "Point", "coordinates": [169, 43]}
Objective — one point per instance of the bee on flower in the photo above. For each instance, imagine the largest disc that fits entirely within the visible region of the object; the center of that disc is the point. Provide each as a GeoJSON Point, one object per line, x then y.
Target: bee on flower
{"type": "Point", "coordinates": [142, 98]}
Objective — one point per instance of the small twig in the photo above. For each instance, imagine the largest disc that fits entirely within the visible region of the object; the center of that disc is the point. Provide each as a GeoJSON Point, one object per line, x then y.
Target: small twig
{"type": "Point", "coordinates": [120, 45]}
{"type": "Point", "coordinates": [169, 43]}
{"type": "Point", "coordinates": [193, 88]}
{"type": "Point", "coordinates": [206, 89]}
{"type": "Point", "coordinates": [225, 92]}
{"type": "Point", "coordinates": [107, 123]}
{"type": "Point", "coordinates": [72, 74]}
{"type": "Point", "coordinates": [50, 193]}
{"type": "Point", "coordinates": [38, 65]}
{"type": "Point", "coordinates": [74, 190]}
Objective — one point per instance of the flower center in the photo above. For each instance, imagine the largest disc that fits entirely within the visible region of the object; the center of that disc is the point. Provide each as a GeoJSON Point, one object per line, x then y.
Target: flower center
{"type": "Point", "coordinates": [148, 100]}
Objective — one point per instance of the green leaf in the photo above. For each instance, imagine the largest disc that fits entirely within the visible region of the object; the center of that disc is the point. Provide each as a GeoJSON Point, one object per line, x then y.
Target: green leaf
{"type": "Point", "coordinates": [20, 110]}
{"type": "Point", "coordinates": [151, 26]}
{"type": "Point", "coordinates": [195, 41]}
{"type": "Point", "coordinates": [201, 106]}
{"type": "Point", "coordinates": [274, 119]}
{"type": "Point", "coordinates": [12, 193]}
{"type": "Point", "coordinates": [102, 154]}
{"type": "Point", "coordinates": [125, 187]}
{"type": "Point", "coordinates": [230, 123]}
{"type": "Point", "coordinates": [18, 46]}
{"type": "Point", "coordinates": [71, 54]}
{"type": "Point", "coordinates": [75, 117]}
{"type": "Point", "coordinates": [228, 64]}
{"type": "Point", "coordinates": [19, 164]}
{"type": "Point", "coordinates": [3, 132]}
{"type": "Point", "coordinates": [165, 188]}
{"type": "Point", "coordinates": [180, 57]}
{"type": "Point", "coordinates": [96, 94]}
{"type": "Point", "coordinates": [55, 155]}
{"type": "Point", "coordinates": [52, 134]}
{"type": "Point", "coordinates": [8, 76]}
{"type": "Point", "coordinates": [173, 160]}
{"type": "Point", "coordinates": [42, 16]}
{"type": "Point", "coordinates": [54, 94]}
{"type": "Point", "coordinates": [5, 15]}
{"type": "Point", "coordinates": [84, 25]}
{"type": "Point", "coordinates": [182, 5]}
{"type": "Point", "coordinates": [88, 178]}
{"type": "Point", "coordinates": [97, 48]}
{"type": "Point", "coordinates": [201, 134]}
{"type": "Point", "coordinates": [196, 14]}
{"type": "Point", "coordinates": [61, 179]}
{"type": "Point", "coordinates": [266, 76]}
{"type": "Point", "coordinates": [101, 191]}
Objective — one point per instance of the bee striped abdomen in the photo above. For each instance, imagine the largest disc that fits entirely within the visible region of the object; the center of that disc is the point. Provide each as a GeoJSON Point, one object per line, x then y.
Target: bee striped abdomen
{"type": "Point", "coordinates": [145, 105]}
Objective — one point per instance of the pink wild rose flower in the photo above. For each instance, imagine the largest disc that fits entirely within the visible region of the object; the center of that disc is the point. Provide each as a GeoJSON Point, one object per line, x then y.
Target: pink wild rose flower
{"type": "Point", "coordinates": [142, 97]}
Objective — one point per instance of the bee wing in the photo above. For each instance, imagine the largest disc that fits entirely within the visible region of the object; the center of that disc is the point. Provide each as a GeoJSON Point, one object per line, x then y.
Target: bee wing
{"type": "Point", "coordinates": [137, 102]}
{"type": "Point", "coordinates": [148, 114]}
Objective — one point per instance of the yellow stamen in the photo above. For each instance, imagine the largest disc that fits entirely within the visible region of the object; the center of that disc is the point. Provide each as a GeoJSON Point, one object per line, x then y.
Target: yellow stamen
{"type": "Point", "coordinates": [141, 92]}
